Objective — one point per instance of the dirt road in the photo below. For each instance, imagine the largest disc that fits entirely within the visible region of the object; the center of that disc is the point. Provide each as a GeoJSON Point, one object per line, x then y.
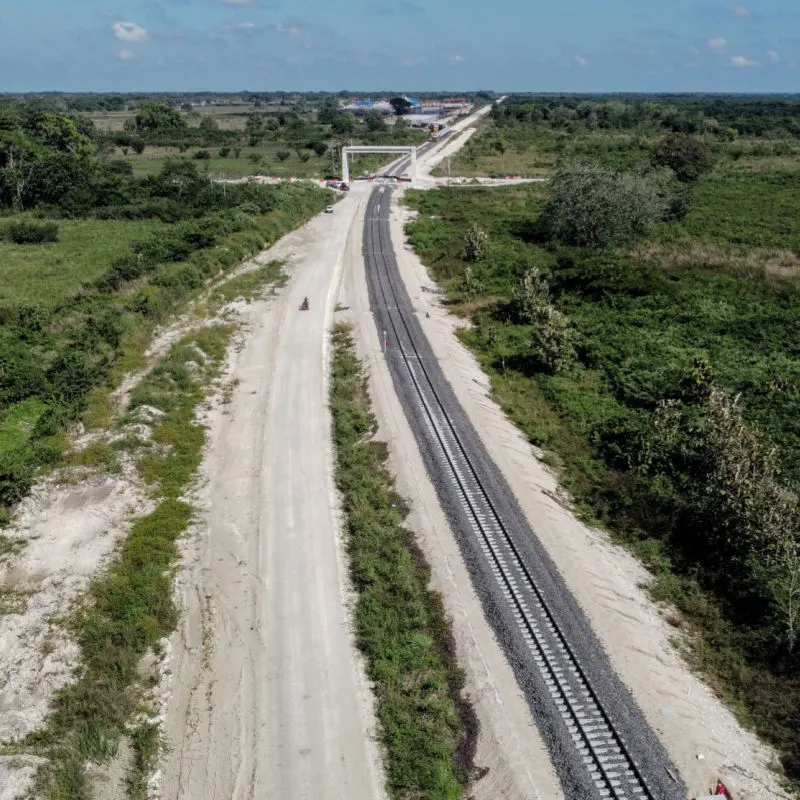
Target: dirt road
{"type": "Point", "coordinates": [267, 695]}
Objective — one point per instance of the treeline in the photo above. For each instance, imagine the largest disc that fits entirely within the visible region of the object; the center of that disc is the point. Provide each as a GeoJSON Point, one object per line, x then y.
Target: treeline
{"type": "Point", "coordinates": [114, 101]}
{"type": "Point", "coordinates": [723, 116]}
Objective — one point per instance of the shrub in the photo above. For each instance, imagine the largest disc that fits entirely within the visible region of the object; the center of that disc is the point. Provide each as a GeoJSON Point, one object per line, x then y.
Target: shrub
{"type": "Point", "coordinates": [282, 155]}
{"type": "Point", "coordinates": [225, 151]}
{"type": "Point", "coordinates": [592, 206]}
{"type": "Point", "coordinates": [476, 244]}
{"type": "Point", "coordinates": [16, 477]}
{"type": "Point", "coordinates": [686, 156]}
{"type": "Point", "coordinates": [202, 155]}
{"type": "Point", "coordinates": [32, 232]}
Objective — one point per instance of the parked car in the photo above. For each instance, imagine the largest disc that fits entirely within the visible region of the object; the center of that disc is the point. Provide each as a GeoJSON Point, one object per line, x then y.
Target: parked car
{"type": "Point", "coordinates": [329, 209]}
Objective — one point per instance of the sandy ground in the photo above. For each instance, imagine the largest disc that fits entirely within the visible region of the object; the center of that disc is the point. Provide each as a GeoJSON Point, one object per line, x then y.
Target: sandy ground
{"type": "Point", "coordinates": [701, 735]}
{"type": "Point", "coordinates": [68, 533]}
{"type": "Point", "coordinates": [266, 695]}
{"type": "Point", "coordinates": [509, 744]}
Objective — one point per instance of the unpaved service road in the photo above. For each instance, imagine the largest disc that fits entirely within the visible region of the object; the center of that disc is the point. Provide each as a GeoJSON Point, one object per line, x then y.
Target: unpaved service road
{"type": "Point", "coordinates": [268, 699]}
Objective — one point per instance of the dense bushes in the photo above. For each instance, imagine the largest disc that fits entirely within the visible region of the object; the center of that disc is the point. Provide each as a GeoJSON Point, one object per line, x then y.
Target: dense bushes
{"type": "Point", "coordinates": [593, 206]}
{"type": "Point", "coordinates": [32, 232]}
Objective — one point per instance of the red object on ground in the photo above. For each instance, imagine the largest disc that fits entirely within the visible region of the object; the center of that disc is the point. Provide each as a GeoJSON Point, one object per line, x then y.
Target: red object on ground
{"type": "Point", "coordinates": [722, 790]}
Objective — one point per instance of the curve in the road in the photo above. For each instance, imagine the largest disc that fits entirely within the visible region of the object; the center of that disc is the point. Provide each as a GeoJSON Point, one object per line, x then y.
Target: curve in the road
{"type": "Point", "coordinates": [599, 741]}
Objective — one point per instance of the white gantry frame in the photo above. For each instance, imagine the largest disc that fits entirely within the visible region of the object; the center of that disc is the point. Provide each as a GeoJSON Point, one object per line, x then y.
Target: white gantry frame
{"type": "Point", "coordinates": [346, 151]}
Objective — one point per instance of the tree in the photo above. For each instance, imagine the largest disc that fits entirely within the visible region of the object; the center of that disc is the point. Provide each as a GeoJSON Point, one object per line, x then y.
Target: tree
{"type": "Point", "coordinates": [282, 155]}
{"type": "Point", "coordinates": [159, 117]}
{"type": "Point", "coordinates": [320, 148]}
{"type": "Point", "coordinates": [254, 128]}
{"type": "Point", "coordinates": [208, 124]}
{"type": "Point", "coordinates": [327, 115]}
{"type": "Point", "coordinates": [344, 124]}
{"type": "Point", "coordinates": [591, 206]}
{"type": "Point", "coordinates": [551, 334]}
{"type": "Point", "coordinates": [374, 121]}
{"type": "Point", "coordinates": [686, 156]}
{"type": "Point", "coordinates": [400, 105]}
{"type": "Point", "coordinates": [551, 339]}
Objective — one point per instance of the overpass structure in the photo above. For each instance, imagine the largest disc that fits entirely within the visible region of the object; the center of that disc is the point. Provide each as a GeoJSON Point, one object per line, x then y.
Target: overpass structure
{"type": "Point", "coordinates": [347, 151]}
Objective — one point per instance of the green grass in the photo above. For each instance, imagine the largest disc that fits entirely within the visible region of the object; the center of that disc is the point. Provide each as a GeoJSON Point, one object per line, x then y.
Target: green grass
{"type": "Point", "coordinates": [152, 159]}
{"type": "Point", "coordinates": [427, 728]}
{"type": "Point", "coordinates": [18, 423]}
{"type": "Point", "coordinates": [47, 273]}
{"type": "Point", "coordinates": [12, 601]}
{"type": "Point", "coordinates": [745, 210]}
{"type": "Point", "coordinates": [130, 609]}
{"type": "Point", "coordinates": [639, 329]}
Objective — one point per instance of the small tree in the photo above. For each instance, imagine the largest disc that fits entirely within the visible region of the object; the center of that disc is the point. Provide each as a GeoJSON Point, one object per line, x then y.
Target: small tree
{"type": "Point", "coordinates": [551, 339]}
{"type": "Point", "coordinates": [282, 155]}
{"type": "Point", "coordinates": [532, 294]}
{"type": "Point", "coordinates": [303, 155]}
{"type": "Point", "coordinates": [687, 157]}
{"type": "Point", "coordinates": [476, 243]}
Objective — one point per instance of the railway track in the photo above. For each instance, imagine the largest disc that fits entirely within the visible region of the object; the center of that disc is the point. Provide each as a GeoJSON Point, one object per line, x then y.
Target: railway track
{"type": "Point", "coordinates": [601, 746]}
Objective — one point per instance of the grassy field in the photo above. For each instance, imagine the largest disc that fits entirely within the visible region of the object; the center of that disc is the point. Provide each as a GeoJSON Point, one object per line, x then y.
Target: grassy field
{"type": "Point", "coordinates": [46, 274]}
{"type": "Point", "coordinates": [259, 160]}
{"type": "Point", "coordinates": [639, 324]}
{"type": "Point", "coordinates": [427, 728]}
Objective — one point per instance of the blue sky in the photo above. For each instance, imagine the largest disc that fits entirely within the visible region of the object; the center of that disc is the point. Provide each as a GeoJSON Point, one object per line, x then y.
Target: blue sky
{"type": "Point", "coordinates": [507, 45]}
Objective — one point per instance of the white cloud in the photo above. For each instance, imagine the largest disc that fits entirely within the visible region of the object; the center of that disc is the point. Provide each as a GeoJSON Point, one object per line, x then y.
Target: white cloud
{"type": "Point", "coordinates": [717, 43]}
{"type": "Point", "coordinates": [240, 26]}
{"type": "Point", "coordinates": [239, 2]}
{"type": "Point", "coordinates": [773, 56]}
{"type": "Point", "coordinates": [741, 11]}
{"type": "Point", "coordinates": [741, 61]}
{"type": "Point", "coordinates": [127, 55]}
{"type": "Point", "coordinates": [129, 32]}
{"type": "Point", "coordinates": [292, 30]}
{"type": "Point", "coordinates": [581, 61]}
{"type": "Point", "coordinates": [456, 59]}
